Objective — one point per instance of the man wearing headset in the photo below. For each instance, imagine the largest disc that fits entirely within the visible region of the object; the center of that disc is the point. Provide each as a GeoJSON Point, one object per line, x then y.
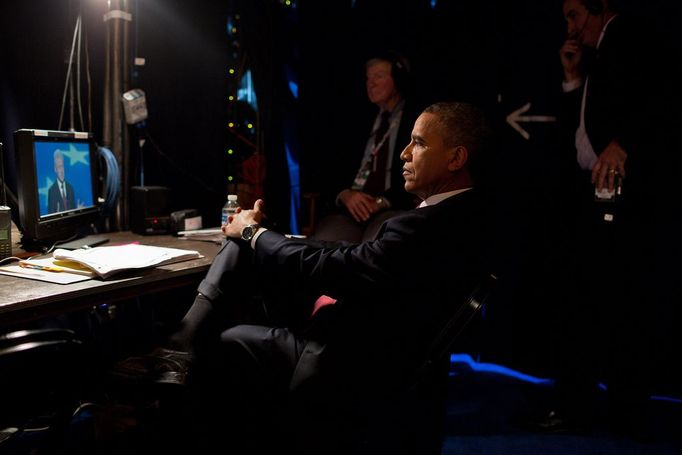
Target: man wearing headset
{"type": "Point", "coordinates": [374, 192]}
{"type": "Point", "coordinates": [610, 119]}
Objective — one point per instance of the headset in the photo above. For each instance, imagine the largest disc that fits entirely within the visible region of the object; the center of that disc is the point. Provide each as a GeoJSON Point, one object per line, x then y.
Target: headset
{"type": "Point", "coordinates": [400, 70]}
{"type": "Point", "coordinates": [594, 7]}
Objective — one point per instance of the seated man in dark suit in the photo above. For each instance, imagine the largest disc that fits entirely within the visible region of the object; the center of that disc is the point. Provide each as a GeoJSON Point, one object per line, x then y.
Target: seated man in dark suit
{"type": "Point", "coordinates": [274, 383]}
{"type": "Point", "coordinates": [374, 192]}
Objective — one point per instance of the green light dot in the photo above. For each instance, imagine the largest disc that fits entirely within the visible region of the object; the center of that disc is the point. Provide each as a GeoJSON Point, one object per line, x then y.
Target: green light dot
{"type": "Point", "coordinates": [231, 98]}
{"type": "Point", "coordinates": [249, 125]}
{"type": "Point", "coordinates": [230, 151]}
{"type": "Point", "coordinates": [231, 71]}
{"type": "Point", "coordinates": [230, 178]}
{"type": "Point", "coordinates": [231, 125]}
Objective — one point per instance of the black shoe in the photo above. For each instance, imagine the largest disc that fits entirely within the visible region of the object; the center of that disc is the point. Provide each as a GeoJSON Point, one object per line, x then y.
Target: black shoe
{"type": "Point", "coordinates": [161, 366]}
{"type": "Point", "coordinates": [634, 427]}
{"type": "Point", "coordinates": [555, 423]}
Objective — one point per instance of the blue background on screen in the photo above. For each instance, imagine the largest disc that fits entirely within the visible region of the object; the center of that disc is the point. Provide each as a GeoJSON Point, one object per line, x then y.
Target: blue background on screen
{"type": "Point", "coordinates": [76, 171]}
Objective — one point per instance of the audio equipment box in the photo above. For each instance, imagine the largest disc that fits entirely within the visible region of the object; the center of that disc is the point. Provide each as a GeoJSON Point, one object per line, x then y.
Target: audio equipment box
{"type": "Point", "coordinates": [149, 210]}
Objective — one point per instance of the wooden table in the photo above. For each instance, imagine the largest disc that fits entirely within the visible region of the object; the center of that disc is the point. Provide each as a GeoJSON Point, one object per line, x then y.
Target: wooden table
{"type": "Point", "coordinates": [23, 299]}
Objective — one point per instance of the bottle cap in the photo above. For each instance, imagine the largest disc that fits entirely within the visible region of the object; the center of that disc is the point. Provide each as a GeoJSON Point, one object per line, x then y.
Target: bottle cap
{"type": "Point", "coordinates": [231, 197]}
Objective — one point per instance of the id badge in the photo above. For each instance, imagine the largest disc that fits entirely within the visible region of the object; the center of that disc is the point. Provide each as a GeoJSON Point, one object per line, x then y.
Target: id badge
{"type": "Point", "coordinates": [361, 179]}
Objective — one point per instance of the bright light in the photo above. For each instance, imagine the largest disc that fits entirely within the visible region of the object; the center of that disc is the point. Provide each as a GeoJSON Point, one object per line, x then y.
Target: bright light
{"type": "Point", "coordinates": [230, 151]}
{"type": "Point", "coordinates": [231, 125]}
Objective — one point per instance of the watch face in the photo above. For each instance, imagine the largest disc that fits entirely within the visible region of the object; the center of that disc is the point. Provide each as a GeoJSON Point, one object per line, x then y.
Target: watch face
{"type": "Point", "coordinates": [249, 231]}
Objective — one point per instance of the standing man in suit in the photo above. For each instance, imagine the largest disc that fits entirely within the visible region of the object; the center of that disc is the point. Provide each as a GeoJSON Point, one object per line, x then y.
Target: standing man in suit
{"type": "Point", "coordinates": [613, 121]}
{"type": "Point", "coordinates": [376, 188]}
{"type": "Point", "coordinates": [60, 196]}
{"type": "Point", "coordinates": [389, 298]}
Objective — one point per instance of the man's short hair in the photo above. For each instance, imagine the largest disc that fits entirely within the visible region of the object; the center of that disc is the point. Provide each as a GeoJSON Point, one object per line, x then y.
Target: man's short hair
{"type": "Point", "coordinates": [464, 124]}
{"type": "Point", "coordinates": [58, 154]}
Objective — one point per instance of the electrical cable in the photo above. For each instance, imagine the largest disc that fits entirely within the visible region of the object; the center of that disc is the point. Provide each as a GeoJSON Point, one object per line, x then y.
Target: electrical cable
{"type": "Point", "coordinates": [184, 171]}
{"type": "Point", "coordinates": [89, 81]}
{"type": "Point", "coordinates": [59, 242]}
{"type": "Point", "coordinates": [112, 184]}
{"type": "Point", "coordinates": [68, 72]}
{"type": "Point", "coordinates": [78, 73]}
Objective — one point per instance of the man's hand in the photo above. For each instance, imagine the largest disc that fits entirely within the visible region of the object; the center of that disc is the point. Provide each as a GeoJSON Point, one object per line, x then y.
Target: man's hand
{"type": "Point", "coordinates": [243, 218]}
{"type": "Point", "coordinates": [571, 53]}
{"type": "Point", "coordinates": [610, 165]}
{"type": "Point", "coordinates": [360, 205]}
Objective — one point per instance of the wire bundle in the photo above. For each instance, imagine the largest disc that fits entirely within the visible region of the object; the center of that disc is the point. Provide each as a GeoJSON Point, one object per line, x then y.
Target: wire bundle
{"type": "Point", "coordinates": [112, 183]}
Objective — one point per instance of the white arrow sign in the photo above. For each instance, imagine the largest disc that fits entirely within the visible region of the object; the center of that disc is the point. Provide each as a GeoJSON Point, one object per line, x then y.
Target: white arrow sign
{"type": "Point", "coordinates": [515, 117]}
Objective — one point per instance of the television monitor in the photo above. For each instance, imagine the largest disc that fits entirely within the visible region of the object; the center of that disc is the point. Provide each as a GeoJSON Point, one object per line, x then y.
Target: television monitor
{"type": "Point", "coordinates": [57, 185]}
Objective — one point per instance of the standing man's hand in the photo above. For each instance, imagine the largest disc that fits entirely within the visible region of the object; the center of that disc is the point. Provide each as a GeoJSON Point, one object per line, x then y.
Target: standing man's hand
{"type": "Point", "coordinates": [571, 54]}
{"type": "Point", "coordinates": [610, 166]}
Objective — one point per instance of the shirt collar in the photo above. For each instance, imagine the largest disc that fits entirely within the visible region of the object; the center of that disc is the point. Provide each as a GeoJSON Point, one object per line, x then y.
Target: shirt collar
{"type": "Point", "coordinates": [603, 30]}
{"type": "Point", "coordinates": [398, 108]}
{"type": "Point", "coordinates": [436, 198]}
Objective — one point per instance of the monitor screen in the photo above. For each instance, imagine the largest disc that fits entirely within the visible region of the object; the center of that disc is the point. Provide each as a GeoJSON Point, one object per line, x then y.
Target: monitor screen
{"type": "Point", "coordinates": [63, 176]}
{"type": "Point", "coordinates": [58, 186]}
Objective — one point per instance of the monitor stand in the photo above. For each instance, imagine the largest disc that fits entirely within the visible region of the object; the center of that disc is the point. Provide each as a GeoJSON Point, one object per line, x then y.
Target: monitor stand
{"type": "Point", "coordinates": [84, 242]}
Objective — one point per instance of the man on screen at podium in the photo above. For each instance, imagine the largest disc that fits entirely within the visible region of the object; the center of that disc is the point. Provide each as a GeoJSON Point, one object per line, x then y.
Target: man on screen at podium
{"type": "Point", "coordinates": [60, 196]}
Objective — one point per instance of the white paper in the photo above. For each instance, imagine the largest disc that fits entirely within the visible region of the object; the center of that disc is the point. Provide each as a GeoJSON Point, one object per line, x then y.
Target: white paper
{"type": "Point", "coordinates": [42, 275]}
{"type": "Point", "coordinates": [106, 260]}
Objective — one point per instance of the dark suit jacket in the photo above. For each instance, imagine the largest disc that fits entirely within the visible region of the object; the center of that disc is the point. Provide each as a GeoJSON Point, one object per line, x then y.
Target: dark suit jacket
{"type": "Point", "coordinates": [348, 165]}
{"type": "Point", "coordinates": [394, 293]}
{"type": "Point", "coordinates": [625, 101]}
{"type": "Point", "coordinates": [54, 198]}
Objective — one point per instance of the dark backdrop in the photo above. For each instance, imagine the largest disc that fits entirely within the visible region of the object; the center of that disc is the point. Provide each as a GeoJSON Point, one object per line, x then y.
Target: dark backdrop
{"type": "Point", "coordinates": [496, 53]}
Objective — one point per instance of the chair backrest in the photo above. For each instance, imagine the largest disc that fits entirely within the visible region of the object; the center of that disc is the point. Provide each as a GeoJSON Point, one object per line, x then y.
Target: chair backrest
{"type": "Point", "coordinates": [463, 315]}
{"type": "Point", "coordinates": [40, 374]}
{"type": "Point", "coordinates": [33, 340]}
{"type": "Point", "coordinates": [413, 422]}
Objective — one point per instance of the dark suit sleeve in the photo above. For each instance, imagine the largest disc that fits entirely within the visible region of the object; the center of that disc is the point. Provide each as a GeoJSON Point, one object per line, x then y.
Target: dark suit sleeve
{"type": "Point", "coordinates": [624, 95]}
{"type": "Point", "coordinates": [70, 196]}
{"type": "Point", "coordinates": [384, 263]}
{"type": "Point", "coordinates": [52, 199]}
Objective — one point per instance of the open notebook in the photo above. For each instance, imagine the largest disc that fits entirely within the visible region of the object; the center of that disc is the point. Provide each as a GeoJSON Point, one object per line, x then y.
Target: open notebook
{"type": "Point", "coordinates": [108, 260]}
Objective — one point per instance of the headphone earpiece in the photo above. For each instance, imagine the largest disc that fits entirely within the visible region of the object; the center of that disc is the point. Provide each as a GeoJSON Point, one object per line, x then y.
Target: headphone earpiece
{"type": "Point", "coordinates": [400, 71]}
{"type": "Point", "coordinates": [594, 7]}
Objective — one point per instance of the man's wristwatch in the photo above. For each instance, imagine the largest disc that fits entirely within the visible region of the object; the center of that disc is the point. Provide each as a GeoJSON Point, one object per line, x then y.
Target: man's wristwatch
{"type": "Point", "coordinates": [249, 231]}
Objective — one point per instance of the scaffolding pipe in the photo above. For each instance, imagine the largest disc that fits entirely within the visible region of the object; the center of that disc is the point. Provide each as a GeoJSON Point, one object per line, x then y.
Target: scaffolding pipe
{"type": "Point", "coordinates": [116, 82]}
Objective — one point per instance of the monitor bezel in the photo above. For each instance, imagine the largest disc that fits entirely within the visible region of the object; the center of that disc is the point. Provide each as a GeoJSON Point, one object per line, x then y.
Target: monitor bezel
{"type": "Point", "coordinates": [50, 228]}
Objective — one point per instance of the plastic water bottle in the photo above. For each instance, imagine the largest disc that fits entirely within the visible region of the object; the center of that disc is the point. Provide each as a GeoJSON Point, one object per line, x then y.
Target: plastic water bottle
{"type": "Point", "coordinates": [229, 208]}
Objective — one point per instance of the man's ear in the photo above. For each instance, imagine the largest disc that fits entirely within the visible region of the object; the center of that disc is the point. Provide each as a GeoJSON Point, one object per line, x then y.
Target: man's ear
{"type": "Point", "coordinates": [460, 156]}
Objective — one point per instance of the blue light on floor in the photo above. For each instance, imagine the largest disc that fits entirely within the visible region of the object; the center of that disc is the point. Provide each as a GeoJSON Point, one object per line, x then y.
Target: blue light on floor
{"type": "Point", "coordinates": [668, 399]}
{"type": "Point", "coordinates": [498, 369]}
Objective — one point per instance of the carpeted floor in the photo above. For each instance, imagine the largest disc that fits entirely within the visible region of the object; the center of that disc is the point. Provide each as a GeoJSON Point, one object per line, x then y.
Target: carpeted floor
{"type": "Point", "coordinates": [485, 405]}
